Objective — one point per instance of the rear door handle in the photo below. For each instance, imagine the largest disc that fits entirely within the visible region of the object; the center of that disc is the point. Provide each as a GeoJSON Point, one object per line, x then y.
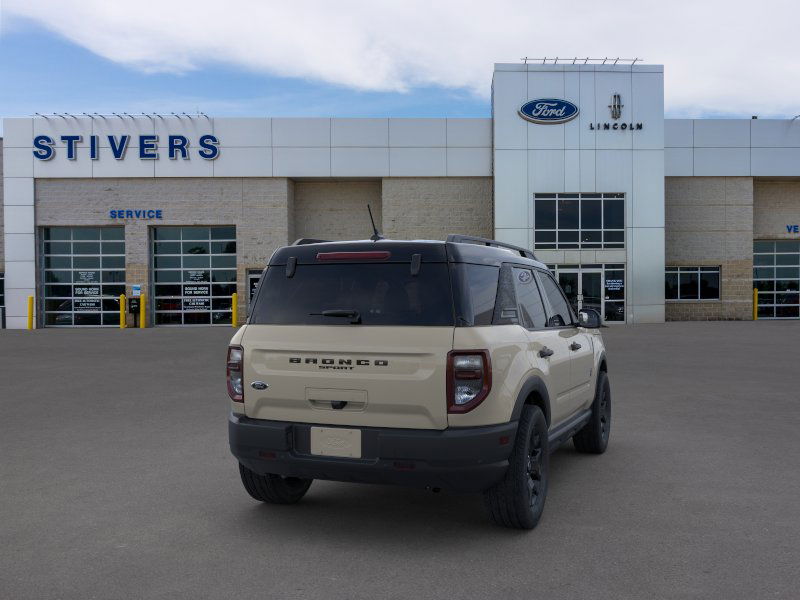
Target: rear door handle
{"type": "Point", "coordinates": [545, 352]}
{"type": "Point", "coordinates": [574, 346]}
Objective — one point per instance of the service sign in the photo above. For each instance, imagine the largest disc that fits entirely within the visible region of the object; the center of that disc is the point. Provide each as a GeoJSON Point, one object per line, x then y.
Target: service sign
{"type": "Point", "coordinates": [87, 290]}
{"type": "Point", "coordinates": [86, 304]}
{"type": "Point", "coordinates": [548, 111]}
{"type": "Point", "coordinates": [196, 290]}
{"type": "Point", "coordinates": [198, 275]}
{"type": "Point", "coordinates": [87, 277]}
{"type": "Point", "coordinates": [193, 304]}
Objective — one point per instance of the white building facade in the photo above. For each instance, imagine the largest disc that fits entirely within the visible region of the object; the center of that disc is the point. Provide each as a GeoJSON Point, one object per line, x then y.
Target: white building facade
{"type": "Point", "coordinates": [644, 218]}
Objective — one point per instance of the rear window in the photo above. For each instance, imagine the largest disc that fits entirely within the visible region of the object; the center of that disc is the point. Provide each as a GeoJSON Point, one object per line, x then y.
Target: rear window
{"type": "Point", "coordinates": [382, 294]}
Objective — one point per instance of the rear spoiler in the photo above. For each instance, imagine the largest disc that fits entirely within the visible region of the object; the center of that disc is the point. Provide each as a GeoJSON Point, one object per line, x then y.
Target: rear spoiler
{"type": "Point", "coordinates": [468, 239]}
{"type": "Point", "coordinates": [304, 241]}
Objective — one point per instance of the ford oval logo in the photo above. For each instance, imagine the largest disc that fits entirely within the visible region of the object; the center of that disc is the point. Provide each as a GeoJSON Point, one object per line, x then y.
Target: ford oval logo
{"type": "Point", "coordinates": [548, 111]}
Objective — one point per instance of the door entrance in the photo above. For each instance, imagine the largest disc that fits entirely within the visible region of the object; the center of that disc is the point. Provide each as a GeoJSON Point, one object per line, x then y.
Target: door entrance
{"type": "Point", "coordinates": [583, 288]}
{"type": "Point", "coordinates": [601, 287]}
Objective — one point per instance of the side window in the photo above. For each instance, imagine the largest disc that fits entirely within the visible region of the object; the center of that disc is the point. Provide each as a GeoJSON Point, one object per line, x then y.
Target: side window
{"type": "Point", "coordinates": [562, 315]}
{"type": "Point", "coordinates": [505, 308]}
{"type": "Point", "coordinates": [529, 301]}
{"type": "Point", "coordinates": [478, 289]}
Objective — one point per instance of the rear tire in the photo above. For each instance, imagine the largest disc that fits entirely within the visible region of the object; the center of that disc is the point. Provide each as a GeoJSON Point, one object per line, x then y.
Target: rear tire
{"type": "Point", "coordinates": [518, 500]}
{"type": "Point", "coordinates": [273, 489]}
{"type": "Point", "coordinates": [593, 438]}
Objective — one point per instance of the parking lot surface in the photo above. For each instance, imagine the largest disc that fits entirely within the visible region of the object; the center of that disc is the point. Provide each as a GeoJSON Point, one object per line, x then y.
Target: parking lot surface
{"type": "Point", "coordinates": [116, 482]}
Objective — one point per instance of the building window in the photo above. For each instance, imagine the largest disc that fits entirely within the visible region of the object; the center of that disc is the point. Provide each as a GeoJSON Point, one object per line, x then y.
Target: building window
{"type": "Point", "coordinates": [563, 221]}
{"type": "Point", "coordinates": [692, 283]}
{"type": "Point", "coordinates": [776, 274]}
{"type": "Point", "coordinates": [83, 275]}
{"type": "Point", "coordinates": [194, 275]}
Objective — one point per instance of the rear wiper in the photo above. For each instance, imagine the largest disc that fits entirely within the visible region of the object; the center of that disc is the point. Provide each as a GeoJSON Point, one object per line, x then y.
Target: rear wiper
{"type": "Point", "coordinates": [353, 315]}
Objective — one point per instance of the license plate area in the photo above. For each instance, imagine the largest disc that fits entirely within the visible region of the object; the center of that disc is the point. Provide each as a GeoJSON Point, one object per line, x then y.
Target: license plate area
{"type": "Point", "coordinates": [336, 441]}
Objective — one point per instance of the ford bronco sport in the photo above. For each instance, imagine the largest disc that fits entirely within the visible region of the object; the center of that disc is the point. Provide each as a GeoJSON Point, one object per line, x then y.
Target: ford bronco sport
{"type": "Point", "coordinates": [453, 365]}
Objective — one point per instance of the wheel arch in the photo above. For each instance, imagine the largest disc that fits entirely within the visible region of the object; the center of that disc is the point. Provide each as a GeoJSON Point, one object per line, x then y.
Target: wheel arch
{"type": "Point", "coordinates": [533, 391]}
{"type": "Point", "coordinates": [602, 362]}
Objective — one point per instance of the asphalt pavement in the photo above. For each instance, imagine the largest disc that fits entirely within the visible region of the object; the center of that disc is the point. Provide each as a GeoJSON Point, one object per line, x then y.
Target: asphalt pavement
{"type": "Point", "coordinates": [116, 482]}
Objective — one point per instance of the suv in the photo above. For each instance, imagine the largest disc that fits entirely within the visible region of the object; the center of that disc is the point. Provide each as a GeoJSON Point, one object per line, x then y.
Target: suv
{"type": "Point", "coordinates": [453, 365]}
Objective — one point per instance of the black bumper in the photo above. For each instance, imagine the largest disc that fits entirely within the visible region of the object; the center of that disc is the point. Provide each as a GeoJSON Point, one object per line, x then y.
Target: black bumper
{"type": "Point", "coordinates": [467, 459]}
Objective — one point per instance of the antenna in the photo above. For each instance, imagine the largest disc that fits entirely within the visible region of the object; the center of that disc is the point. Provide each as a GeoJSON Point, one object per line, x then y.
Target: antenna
{"type": "Point", "coordinates": [377, 235]}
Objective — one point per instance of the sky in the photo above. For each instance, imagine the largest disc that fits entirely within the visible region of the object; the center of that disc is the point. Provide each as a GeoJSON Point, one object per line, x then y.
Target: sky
{"type": "Point", "coordinates": [354, 58]}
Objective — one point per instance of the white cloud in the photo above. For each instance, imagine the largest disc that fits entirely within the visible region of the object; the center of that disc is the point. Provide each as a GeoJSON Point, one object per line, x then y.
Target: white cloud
{"type": "Point", "coordinates": [720, 56]}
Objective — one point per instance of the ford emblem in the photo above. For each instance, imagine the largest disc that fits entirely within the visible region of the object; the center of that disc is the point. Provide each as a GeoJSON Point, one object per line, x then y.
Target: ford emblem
{"type": "Point", "coordinates": [548, 111]}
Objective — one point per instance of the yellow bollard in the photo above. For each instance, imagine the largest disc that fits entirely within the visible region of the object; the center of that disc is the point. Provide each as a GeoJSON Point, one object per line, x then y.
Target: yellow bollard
{"type": "Point", "coordinates": [755, 304]}
{"type": "Point", "coordinates": [30, 312]}
{"type": "Point", "coordinates": [122, 323]}
{"type": "Point", "coordinates": [234, 309]}
{"type": "Point", "coordinates": [142, 312]}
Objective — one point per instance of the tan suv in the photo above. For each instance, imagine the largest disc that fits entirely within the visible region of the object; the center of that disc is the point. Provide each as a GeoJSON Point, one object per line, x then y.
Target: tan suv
{"type": "Point", "coordinates": [453, 365]}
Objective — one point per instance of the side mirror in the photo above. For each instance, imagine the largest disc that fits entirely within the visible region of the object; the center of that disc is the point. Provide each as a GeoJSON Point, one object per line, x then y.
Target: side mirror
{"type": "Point", "coordinates": [590, 318]}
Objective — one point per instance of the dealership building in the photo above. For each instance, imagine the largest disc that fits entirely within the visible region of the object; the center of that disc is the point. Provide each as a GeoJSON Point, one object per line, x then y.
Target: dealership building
{"type": "Point", "coordinates": [645, 218]}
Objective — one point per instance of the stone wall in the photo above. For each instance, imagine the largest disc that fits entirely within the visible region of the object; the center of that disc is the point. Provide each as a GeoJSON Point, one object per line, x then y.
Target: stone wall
{"type": "Point", "coordinates": [268, 212]}
{"type": "Point", "coordinates": [776, 204]}
{"type": "Point", "coordinates": [336, 210]}
{"type": "Point", "coordinates": [430, 208]}
{"type": "Point", "coordinates": [260, 208]}
{"type": "Point", "coordinates": [709, 222]}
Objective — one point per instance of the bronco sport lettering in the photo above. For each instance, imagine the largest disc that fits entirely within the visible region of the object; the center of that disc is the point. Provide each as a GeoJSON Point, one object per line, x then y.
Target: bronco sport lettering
{"type": "Point", "coordinates": [341, 361]}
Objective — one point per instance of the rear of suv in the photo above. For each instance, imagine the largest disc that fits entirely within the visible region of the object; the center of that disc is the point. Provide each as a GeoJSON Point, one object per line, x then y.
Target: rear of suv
{"type": "Point", "coordinates": [454, 365]}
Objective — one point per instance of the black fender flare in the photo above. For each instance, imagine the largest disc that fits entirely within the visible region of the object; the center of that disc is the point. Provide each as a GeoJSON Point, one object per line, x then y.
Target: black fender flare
{"type": "Point", "coordinates": [532, 384]}
{"type": "Point", "coordinates": [600, 360]}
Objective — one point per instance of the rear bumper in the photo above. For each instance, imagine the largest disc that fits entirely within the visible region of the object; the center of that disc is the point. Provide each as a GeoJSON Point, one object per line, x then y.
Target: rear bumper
{"type": "Point", "coordinates": [465, 459]}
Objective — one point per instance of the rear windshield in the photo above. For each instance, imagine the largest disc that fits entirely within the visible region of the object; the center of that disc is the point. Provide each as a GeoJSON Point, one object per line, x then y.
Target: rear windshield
{"type": "Point", "coordinates": [381, 294]}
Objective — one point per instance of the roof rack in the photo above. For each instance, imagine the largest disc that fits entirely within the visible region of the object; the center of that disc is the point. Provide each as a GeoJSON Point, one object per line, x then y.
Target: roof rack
{"type": "Point", "coordinates": [304, 241]}
{"type": "Point", "coordinates": [468, 239]}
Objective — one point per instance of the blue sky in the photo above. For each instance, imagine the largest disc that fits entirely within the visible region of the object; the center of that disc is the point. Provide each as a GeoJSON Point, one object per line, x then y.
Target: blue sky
{"type": "Point", "coordinates": [48, 74]}
{"type": "Point", "coordinates": [362, 58]}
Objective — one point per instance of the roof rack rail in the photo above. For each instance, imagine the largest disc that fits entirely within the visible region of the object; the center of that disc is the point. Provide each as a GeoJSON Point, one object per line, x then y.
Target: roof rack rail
{"type": "Point", "coordinates": [468, 239]}
{"type": "Point", "coordinates": [304, 241]}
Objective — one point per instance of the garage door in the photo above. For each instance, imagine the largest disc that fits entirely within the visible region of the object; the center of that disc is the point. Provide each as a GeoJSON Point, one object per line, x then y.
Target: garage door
{"type": "Point", "coordinates": [194, 275]}
{"type": "Point", "coordinates": [82, 275]}
{"type": "Point", "coordinates": [776, 274]}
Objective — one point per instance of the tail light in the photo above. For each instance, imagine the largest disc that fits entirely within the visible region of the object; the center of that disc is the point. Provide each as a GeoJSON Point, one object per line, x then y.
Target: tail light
{"type": "Point", "coordinates": [469, 379]}
{"type": "Point", "coordinates": [234, 373]}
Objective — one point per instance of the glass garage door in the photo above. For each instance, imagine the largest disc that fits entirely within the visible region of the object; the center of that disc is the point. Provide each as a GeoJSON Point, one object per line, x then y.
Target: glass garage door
{"type": "Point", "coordinates": [83, 275]}
{"type": "Point", "coordinates": [194, 275]}
{"type": "Point", "coordinates": [776, 274]}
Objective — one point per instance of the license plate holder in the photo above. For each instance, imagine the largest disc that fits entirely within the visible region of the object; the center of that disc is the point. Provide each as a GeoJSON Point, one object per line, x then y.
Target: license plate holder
{"type": "Point", "coordinates": [336, 441]}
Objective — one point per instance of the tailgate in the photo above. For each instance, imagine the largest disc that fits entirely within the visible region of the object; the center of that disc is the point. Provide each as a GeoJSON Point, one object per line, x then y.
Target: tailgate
{"type": "Point", "coordinates": [381, 376]}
